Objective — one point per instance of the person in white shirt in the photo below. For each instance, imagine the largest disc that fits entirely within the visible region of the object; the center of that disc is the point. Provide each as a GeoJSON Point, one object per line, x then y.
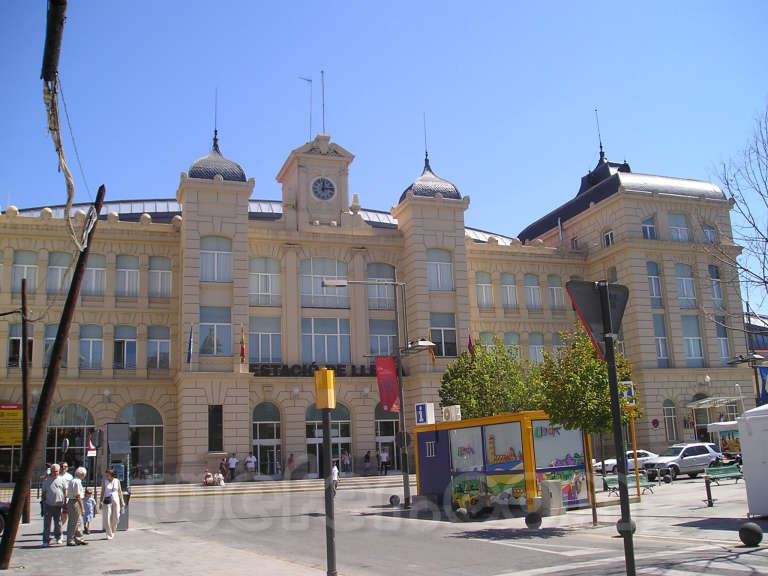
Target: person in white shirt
{"type": "Point", "coordinates": [112, 502]}
{"type": "Point", "coordinates": [232, 463]}
{"type": "Point", "coordinates": [76, 508]}
{"type": "Point", "coordinates": [250, 465]}
{"type": "Point", "coordinates": [384, 461]}
{"type": "Point", "coordinates": [335, 477]}
{"type": "Point", "coordinates": [67, 477]}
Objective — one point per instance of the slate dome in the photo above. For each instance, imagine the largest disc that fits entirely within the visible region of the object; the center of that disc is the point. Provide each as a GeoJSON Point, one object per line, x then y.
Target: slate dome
{"type": "Point", "coordinates": [429, 184]}
{"type": "Point", "coordinates": [209, 166]}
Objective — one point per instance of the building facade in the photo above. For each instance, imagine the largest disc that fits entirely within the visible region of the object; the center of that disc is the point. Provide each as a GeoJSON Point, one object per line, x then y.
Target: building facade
{"type": "Point", "coordinates": [202, 318]}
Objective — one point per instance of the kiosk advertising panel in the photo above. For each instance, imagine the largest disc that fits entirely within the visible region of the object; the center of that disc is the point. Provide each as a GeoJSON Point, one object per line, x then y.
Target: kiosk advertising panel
{"type": "Point", "coordinates": [504, 464]}
{"type": "Point", "coordinates": [559, 456]}
{"type": "Point", "coordinates": [468, 481]}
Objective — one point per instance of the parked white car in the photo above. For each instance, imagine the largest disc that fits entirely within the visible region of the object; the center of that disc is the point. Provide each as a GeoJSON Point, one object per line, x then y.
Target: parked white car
{"type": "Point", "coordinates": [610, 463]}
{"type": "Point", "coordinates": [688, 459]}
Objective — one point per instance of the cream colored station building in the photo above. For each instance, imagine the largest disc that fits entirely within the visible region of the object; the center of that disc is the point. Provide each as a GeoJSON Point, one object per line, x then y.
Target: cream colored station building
{"type": "Point", "coordinates": [217, 266]}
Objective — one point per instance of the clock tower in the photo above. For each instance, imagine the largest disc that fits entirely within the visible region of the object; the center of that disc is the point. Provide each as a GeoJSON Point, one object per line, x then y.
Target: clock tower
{"type": "Point", "coordinates": [315, 185]}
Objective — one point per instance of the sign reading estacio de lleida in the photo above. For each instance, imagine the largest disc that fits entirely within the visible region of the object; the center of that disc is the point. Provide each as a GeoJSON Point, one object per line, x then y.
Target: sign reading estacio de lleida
{"type": "Point", "coordinates": [308, 370]}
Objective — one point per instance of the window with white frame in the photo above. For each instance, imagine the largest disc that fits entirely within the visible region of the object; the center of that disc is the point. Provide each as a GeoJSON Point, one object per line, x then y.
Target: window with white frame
{"type": "Point", "coordinates": [91, 347]}
{"type": "Point", "coordinates": [325, 340]}
{"type": "Point", "coordinates": [508, 291]}
{"type": "Point", "coordinates": [536, 347]}
{"type": "Point", "coordinates": [215, 259]}
{"type": "Point", "coordinates": [678, 228]}
{"type": "Point", "coordinates": [263, 282]}
{"type": "Point", "coordinates": [127, 276]}
{"type": "Point", "coordinates": [95, 277]}
{"type": "Point", "coordinates": [485, 339]}
{"type": "Point", "coordinates": [512, 342]}
{"type": "Point", "coordinates": [716, 288]}
{"type": "Point", "coordinates": [608, 238]}
{"type": "Point", "coordinates": [710, 235]}
{"type": "Point", "coordinates": [159, 277]}
{"type": "Point", "coordinates": [574, 243]}
{"type": "Point", "coordinates": [439, 269]}
{"type": "Point", "coordinates": [484, 290]}
{"type": "Point", "coordinates": [557, 343]}
{"type": "Point", "coordinates": [24, 266]}
{"type": "Point", "coordinates": [124, 348]}
{"type": "Point", "coordinates": [314, 271]}
{"type": "Point", "coordinates": [660, 334]}
{"type": "Point", "coordinates": [654, 284]}
{"type": "Point", "coordinates": [694, 352]}
{"type": "Point", "coordinates": [686, 292]}
{"type": "Point", "coordinates": [442, 331]}
{"type": "Point", "coordinates": [158, 347]}
{"type": "Point", "coordinates": [649, 228]}
{"type": "Point", "coordinates": [59, 273]}
{"type": "Point", "coordinates": [670, 421]}
{"type": "Point", "coordinates": [532, 292]}
{"type": "Point", "coordinates": [215, 331]}
{"type": "Point", "coordinates": [50, 337]}
{"type": "Point", "coordinates": [382, 337]}
{"type": "Point", "coordinates": [14, 345]}
{"type": "Point", "coordinates": [381, 291]}
{"type": "Point", "coordinates": [731, 411]}
{"type": "Point", "coordinates": [265, 340]}
{"type": "Point", "coordinates": [722, 340]}
{"type": "Point", "coordinates": [556, 296]}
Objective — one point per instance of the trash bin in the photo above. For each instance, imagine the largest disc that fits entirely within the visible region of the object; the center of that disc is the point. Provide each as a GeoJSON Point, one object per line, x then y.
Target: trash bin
{"type": "Point", "coordinates": [122, 524]}
{"type": "Point", "coordinates": [552, 498]}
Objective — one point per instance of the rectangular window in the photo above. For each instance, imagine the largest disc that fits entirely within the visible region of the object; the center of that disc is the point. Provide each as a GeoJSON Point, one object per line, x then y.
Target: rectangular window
{"type": "Point", "coordinates": [59, 274]}
{"type": "Point", "coordinates": [314, 271]}
{"type": "Point", "coordinates": [512, 342]}
{"type": "Point", "coordinates": [660, 333]}
{"type": "Point", "coordinates": [556, 295]}
{"type": "Point", "coordinates": [670, 421]}
{"type": "Point", "coordinates": [127, 276]}
{"type": "Point", "coordinates": [159, 277]}
{"type": "Point", "coordinates": [215, 331]}
{"type": "Point", "coordinates": [484, 290]}
{"type": "Point", "coordinates": [264, 340]}
{"type": "Point", "coordinates": [91, 347]}
{"type": "Point", "coordinates": [24, 266]}
{"type": "Point", "coordinates": [731, 411]}
{"type": "Point", "coordinates": [124, 356]}
{"type": "Point", "coordinates": [50, 338]}
{"type": "Point", "coordinates": [536, 347]}
{"type": "Point", "coordinates": [532, 292]}
{"type": "Point", "coordinates": [608, 238]}
{"type": "Point", "coordinates": [14, 345]}
{"type": "Point", "coordinates": [716, 288]}
{"type": "Point", "coordinates": [443, 333]}
{"type": "Point", "coordinates": [654, 284]}
{"type": "Point", "coordinates": [508, 292]}
{"type": "Point", "coordinates": [486, 339]}
{"type": "Point", "coordinates": [649, 229]}
{"type": "Point", "coordinates": [678, 228]}
{"type": "Point", "coordinates": [574, 243]}
{"type": "Point", "coordinates": [557, 343]}
{"type": "Point", "coordinates": [215, 428]}
{"type": "Point", "coordinates": [722, 340]}
{"type": "Point", "coordinates": [439, 269]}
{"type": "Point", "coordinates": [710, 236]}
{"type": "Point", "coordinates": [382, 335]}
{"type": "Point", "coordinates": [215, 259]}
{"type": "Point", "coordinates": [263, 282]}
{"type": "Point", "coordinates": [325, 340]}
{"type": "Point", "coordinates": [381, 296]}
{"type": "Point", "coordinates": [694, 353]}
{"type": "Point", "coordinates": [95, 277]}
{"type": "Point", "coordinates": [430, 449]}
{"type": "Point", "coordinates": [158, 347]}
{"type": "Point", "coordinates": [686, 292]}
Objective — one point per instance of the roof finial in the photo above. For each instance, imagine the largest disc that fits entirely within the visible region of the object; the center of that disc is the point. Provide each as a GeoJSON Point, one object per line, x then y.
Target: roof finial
{"type": "Point", "coordinates": [426, 149]}
{"type": "Point", "coordinates": [599, 138]}
{"type": "Point", "coordinates": [216, 121]}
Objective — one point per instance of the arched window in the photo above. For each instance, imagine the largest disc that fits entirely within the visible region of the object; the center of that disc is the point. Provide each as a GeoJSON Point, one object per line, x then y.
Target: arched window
{"type": "Point", "coordinates": [532, 292]}
{"type": "Point", "coordinates": [266, 439]}
{"type": "Point", "coordinates": [678, 228]}
{"type": "Point", "coordinates": [215, 259]}
{"type": "Point", "coordinates": [608, 238]}
{"type": "Point", "coordinates": [649, 228]}
{"type": "Point", "coordinates": [535, 347]}
{"type": "Point", "coordinates": [508, 291]}
{"type": "Point", "coordinates": [387, 425]}
{"type": "Point", "coordinates": [686, 291]}
{"type": "Point", "coordinates": [670, 421]}
{"type": "Point", "coordinates": [654, 284]}
{"type": "Point", "coordinates": [159, 277]}
{"type": "Point", "coordinates": [710, 234]}
{"type": "Point", "coordinates": [555, 287]}
{"type": "Point", "coordinates": [24, 266]}
{"type": "Point", "coordinates": [95, 277]}
{"type": "Point", "coordinates": [716, 288]}
{"type": "Point", "coordinates": [340, 436]}
{"type": "Point", "coordinates": [59, 274]}
{"type": "Point", "coordinates": [313, 294]}
{"type": "Point", "coordinates": [512, 342]}
{"type": "Point", "coordinates": [127, 276]}
{"type": "Point", "coordinates": [146, 426]}
{"type": "Point", "coordinates": [381, 296]}
{"type": "Point", "coordinates": [72, 422]}
{"type": "Point", "coordinates": [484, 290]}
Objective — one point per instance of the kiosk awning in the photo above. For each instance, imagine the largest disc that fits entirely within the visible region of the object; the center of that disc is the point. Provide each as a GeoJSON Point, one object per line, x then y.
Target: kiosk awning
{"type": "Point", "coordinates": [712, 402]}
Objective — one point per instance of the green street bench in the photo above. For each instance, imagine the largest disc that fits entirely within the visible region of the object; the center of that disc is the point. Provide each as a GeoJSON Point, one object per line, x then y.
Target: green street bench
{"type": "Point", "coordinates": [724, 473]}
{"type": "Point", "coordinates": [611, 484]}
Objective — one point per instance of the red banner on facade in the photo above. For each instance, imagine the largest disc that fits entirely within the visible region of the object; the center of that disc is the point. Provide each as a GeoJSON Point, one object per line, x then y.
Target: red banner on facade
{"type": "Point", "coordinates": [386, 377]}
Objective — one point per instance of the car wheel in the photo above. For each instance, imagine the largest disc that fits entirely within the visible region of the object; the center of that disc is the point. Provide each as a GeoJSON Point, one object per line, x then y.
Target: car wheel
{"type": "Point", "coordinates": [692, 474]}
{"type": "Point", "coordinates": [673, 472]}
{"type": "Point", "coordinates": [613, 470]}
{"type": "Point", "coordinates": [2, 523]}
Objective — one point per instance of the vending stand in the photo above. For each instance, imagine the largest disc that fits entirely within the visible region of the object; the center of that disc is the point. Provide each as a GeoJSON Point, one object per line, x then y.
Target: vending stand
{"type": "Point", "coordinates": [499, 461]}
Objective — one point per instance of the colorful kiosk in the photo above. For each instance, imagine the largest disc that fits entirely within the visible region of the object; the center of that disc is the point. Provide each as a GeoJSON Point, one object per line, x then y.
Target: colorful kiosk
{"type": "Point", "coordinates": [499, 461]}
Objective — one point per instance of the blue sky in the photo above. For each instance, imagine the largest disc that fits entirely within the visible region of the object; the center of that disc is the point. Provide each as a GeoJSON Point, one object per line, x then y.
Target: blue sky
{"type": "Point", "coordinates": [508, 88]}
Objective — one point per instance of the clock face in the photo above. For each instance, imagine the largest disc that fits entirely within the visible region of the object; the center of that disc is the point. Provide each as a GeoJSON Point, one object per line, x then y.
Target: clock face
{"type": "Point", "coordinates": [323, 189]}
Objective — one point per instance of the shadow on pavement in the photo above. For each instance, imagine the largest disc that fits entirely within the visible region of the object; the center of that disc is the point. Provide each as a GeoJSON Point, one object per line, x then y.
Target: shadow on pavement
{"type": "Point", "coordinates": [513, 533]}
{"type": "Point", "coordinates": [723, 523]}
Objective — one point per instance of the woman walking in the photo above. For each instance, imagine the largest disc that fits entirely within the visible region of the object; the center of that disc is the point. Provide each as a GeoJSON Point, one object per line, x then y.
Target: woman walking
{"type": "Point", "coordinates": [112, 502]}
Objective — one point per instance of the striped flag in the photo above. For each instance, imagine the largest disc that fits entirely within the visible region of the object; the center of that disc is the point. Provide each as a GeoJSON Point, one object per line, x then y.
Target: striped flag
{"type": "Point", "coordinates": [189, 348]}
{"type": "Point", "coordinates": [432, 355]}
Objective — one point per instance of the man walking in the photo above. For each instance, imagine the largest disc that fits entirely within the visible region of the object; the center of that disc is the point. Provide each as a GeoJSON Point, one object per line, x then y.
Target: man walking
{"type": "Point", "coordinates": [250, 465]}
{"type": "Point", "coordinates": [232, 466]}
{"type": "Point", "coordinates": [54, 496]}
{"type": "Point", "coordinates": [76, 509]}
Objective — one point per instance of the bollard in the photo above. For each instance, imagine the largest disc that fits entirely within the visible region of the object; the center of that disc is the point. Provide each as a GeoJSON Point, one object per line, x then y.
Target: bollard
{"type": "Point", "coordinates": [709, 501]}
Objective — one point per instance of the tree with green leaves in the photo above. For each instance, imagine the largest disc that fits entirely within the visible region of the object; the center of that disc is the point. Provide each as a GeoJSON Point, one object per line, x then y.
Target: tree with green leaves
{"type": "Point", "coordinates": [492, 381]}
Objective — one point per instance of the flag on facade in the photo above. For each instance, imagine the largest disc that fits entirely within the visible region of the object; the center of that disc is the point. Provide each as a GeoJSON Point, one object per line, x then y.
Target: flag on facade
{"type": "Point", "coordinates": [470, 345]}
{"type": "Point", "coordinates": [189, 348]}
{"type": "Point", "coordinates": [763, 392]}
{"type": "Point", "coordinates": [242, 344]}
{"type": "Point", "coordinates": [386, 378]}
{"type": "Point", "coordinates": [432, 355]}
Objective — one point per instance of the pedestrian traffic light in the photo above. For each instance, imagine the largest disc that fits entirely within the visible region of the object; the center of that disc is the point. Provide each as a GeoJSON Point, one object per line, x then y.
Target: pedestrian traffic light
{"type": "Point", "coordinates": [325, 389]}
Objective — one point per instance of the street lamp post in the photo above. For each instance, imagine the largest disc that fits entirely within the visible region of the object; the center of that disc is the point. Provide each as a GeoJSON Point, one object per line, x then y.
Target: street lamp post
{"type": "Point", "coordinates": [416, 346]}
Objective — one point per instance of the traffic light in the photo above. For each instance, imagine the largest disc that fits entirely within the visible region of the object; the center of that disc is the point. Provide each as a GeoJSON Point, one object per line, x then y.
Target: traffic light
{"type": "Point", "coordinates": [325, 389]}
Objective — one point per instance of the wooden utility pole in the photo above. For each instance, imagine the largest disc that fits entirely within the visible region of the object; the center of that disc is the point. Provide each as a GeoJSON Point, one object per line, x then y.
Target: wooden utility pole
{"type": "Point", "coordinates": [31, 449]}
{"type": "Point", "coordinates": [24, 385]}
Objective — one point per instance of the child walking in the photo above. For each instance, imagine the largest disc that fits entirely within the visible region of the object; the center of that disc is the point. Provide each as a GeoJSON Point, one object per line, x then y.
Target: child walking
{"type": "Point", "coordinates": [89, 505]}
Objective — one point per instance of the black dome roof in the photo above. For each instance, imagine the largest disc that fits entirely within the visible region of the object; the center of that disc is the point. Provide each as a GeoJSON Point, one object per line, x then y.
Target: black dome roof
{"type": "Point", "coordinates": [429, 184]}
{"type": "Point", "coordinates": [208, 166]}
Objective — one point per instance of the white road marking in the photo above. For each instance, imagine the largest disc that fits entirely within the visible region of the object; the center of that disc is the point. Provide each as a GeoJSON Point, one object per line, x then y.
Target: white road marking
{"type": "Point", "coordinates": [548, 548]}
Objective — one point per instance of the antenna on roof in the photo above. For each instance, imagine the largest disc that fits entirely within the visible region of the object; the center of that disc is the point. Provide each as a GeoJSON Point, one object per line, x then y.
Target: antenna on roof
{"type": "Point", "coordinates": [599, 138]}
{"type": "Point", "coordinates": [309, 81]}
{"type": "Point", "coordinates": [322, 82]}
